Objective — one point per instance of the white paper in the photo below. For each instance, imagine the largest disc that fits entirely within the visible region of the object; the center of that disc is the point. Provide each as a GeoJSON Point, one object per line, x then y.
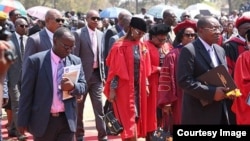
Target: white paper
{"type": "Point", "coordinates": [72, 72]}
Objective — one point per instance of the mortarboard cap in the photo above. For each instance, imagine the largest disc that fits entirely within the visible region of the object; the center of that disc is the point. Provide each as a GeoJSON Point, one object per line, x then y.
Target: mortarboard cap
{"type": "Point", "coordinates": [242, 19]}
{"type": "Point", "coordinates": [185, 24]}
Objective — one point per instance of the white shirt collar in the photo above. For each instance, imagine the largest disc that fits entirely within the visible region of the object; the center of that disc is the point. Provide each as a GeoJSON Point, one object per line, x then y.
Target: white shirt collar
{"type": "Point", "coordinates": [17, 35]}
{"type": "Point", "coordinates": [50, 34]}
{"type": "Point", "coordinates": [206, 45]}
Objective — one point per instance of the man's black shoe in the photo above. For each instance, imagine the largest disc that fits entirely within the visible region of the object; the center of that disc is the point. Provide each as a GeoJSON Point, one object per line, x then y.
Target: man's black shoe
{"type": "Point", "coordinates": [80, 138]}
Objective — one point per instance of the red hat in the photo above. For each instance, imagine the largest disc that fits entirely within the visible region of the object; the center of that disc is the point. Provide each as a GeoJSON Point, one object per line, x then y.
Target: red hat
{"type": "Point", "coordinates": [185, 24]}
{"type": "Point", "coordinates": [242, 19]}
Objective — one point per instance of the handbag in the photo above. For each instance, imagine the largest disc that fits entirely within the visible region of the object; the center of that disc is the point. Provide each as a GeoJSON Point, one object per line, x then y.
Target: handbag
{"type": "Point", "coordinates": [113, 125]}
{"type": "Point", "coordinates": [160, 134]}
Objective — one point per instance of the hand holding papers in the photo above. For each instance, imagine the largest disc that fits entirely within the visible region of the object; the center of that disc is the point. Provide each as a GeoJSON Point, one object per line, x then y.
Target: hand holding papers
{"type": "Point", "coordinates": [71, 72]}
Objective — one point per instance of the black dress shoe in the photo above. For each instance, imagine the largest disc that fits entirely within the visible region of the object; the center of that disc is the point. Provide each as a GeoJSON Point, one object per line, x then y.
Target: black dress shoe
{"type": "Point", "coordinates": [80, 138]}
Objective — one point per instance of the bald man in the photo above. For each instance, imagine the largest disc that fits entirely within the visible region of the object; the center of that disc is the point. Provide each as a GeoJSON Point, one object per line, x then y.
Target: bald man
{"type": "Point", "coordinates": [43, 40]}
{"type": "Point", "coordinates": [89, 49]}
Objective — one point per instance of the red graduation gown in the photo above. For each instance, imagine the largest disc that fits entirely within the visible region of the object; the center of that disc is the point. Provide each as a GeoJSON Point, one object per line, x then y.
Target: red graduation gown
{"type": "Point", "coordinates": [121, 63]}
{"type": "Point", "coordinates": [242, 80]}
{"type": "Point", "coordinates": [169, 91]}
{"type": "Point", "coordinates": [153, 83]}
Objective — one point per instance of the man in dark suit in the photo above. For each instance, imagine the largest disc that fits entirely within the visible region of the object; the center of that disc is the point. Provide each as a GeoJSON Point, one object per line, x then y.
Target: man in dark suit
{"type": "Point", "coordinates": [38, 26]}
{"type": "Point", "coordinates": [125, 23]}
{"type": "Point", "coordinates": [43, 40]}
{"type": "Point", "coordinates": [19, 39]}
{"type": "Point", "coordinates": [89, 49]}
{"type": "Point", "coordinates": [202, 103]}
{"type": "Point", "coordinates": [42, 109]}
{"type": "Point", "coordinates": [121, 23]}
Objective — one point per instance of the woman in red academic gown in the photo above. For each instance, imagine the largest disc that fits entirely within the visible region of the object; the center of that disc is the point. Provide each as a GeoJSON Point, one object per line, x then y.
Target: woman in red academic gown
{"type": "Point", "coordinates": [126, 86]}
{"type": "Point", "coordinates": [170, 94]}
{"type": "Point", "coordinates": [158, 48]}
{"type": "Point", "coordinates": [242, 79]}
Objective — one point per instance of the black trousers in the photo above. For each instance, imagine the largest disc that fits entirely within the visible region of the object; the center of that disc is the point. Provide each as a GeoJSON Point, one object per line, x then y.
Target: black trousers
{"type": "Point", "coordinates": [57, 130]}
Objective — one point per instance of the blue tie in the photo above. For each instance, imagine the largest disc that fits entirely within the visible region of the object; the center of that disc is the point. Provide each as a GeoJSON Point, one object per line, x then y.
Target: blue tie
{"type": "Point", "coordinates": [59, 78]}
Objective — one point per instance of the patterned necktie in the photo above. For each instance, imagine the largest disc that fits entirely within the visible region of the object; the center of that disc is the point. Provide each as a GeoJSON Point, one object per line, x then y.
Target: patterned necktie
{"type": "Point", "coordinates": [213, 56]}
{"type": "Point", "coordinates": [21, 45]}
{"type": "Point", "coordinates": [59, 78]}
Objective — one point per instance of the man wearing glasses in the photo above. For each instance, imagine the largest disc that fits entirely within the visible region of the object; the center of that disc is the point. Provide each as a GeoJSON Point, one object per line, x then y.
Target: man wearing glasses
{"type": "Point", "coordinates": [42, 110]}
{"type": "Point", "coordinates": [43, 40]}
{"type": "Point", "coordinates": [202, 103]}
{"type": "Point", "coordinates": [89, 49]}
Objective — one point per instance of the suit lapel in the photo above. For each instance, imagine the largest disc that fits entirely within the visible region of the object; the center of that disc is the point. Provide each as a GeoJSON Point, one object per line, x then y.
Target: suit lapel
{"type": "Point", "coordinates": [85, 34]}
{"type": "Point", "coordinates": [44, 38]}
{"type": "Point", "coordinates": [17, 45]}
{"type": "Point", "coordinates": [68, 61]}
{"type": "Point", "coordinates": [48, 68]}
{"type": "Point", "coordinates": [218, 54]}
{"type": "Point", "coordinates": [204, 53]}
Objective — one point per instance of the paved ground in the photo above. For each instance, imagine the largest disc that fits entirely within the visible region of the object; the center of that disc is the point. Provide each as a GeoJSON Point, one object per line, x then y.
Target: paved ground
{"type": "Point", "coordinates": [91, 133]}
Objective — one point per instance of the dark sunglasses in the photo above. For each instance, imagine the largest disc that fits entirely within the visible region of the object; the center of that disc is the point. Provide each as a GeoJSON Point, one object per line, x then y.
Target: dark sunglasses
{"type": "Point", "coordinates": [59, 20]}
{"type": "Point", "coordinates": [95, 18]}
{"type": "Point", "coordinates": [22, 26]}
{"type": "Point", "coordinates": [189, 34]}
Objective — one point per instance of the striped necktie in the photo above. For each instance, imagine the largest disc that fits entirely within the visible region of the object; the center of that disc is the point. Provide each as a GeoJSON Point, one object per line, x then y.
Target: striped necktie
{"type": "Point", "coordinates": [59, 77]}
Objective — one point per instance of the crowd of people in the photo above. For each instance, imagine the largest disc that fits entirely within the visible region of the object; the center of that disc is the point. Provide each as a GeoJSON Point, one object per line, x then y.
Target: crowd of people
{"type": "Point", "coordinates": [147, 69]}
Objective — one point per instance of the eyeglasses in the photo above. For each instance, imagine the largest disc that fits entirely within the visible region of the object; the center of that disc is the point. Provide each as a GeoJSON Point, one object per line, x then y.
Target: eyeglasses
{"type": "Point", "coordinates": [189, 34]}
{"type": "Point", "coordinates": [66, 46]}
{"type": "Point", "coordinates": [95, 18]}
{"type": "Point", "coordinates": [139, 32]}
{"type": "Point", "coordinates": [161, 40]}
{"type": "Point", "coordinates": [58, 20]}
{"type": "Point", "coordinates": [215, 28]}
{"type": "Point", "coordinates": [22, 26]}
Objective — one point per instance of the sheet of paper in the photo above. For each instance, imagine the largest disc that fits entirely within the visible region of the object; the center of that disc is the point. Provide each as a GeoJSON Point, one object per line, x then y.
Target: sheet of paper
{"type": "Point", "coordinates": [72, 72]}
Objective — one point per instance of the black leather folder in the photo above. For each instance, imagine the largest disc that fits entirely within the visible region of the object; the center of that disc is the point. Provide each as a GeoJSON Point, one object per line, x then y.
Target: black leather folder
{"type": "Point", "coordinates": [218, 76]}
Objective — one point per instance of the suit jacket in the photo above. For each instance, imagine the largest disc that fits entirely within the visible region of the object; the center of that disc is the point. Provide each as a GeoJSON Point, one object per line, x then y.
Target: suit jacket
{"type": "Point", "coordinates": [194, 60]}
{"type": "Point", "coordinates": [15, 70]}
{"type": "Point", "coordinates": [109, 33]}
{"type": "Point", "coordinates": [37, 93]}
{"type": "Point", "coordinates": [34, 29]}
{"type": "Point", "coordinates": [114, 38]}
{"type": "Point", "coordinates": [37, 42]}
{"type": "Point", "coordinates": [84, 50]}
